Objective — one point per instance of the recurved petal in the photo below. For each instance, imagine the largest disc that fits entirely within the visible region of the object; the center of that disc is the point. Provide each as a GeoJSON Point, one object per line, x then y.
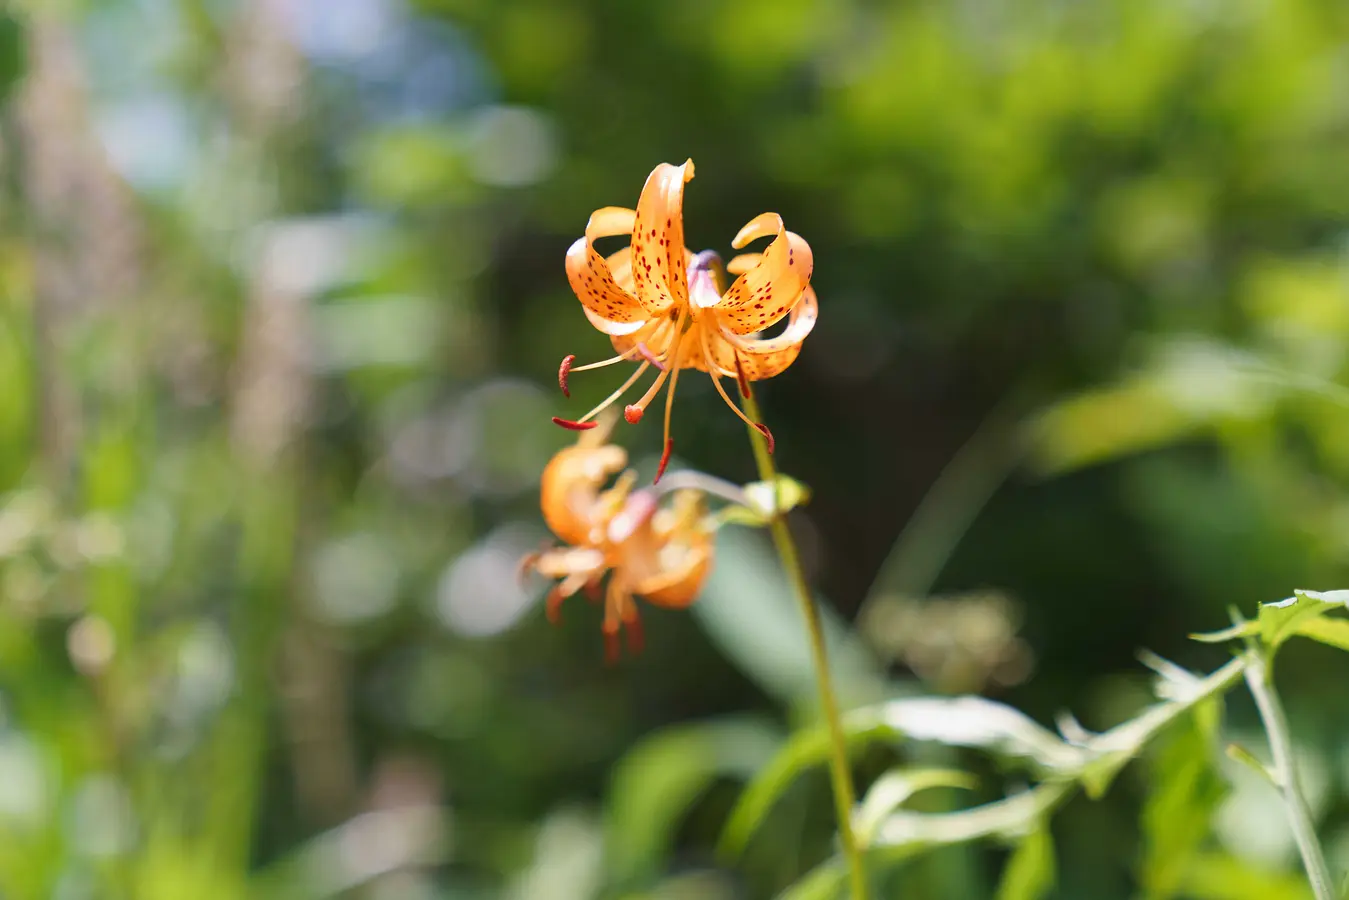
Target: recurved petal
{"type": "Point", "coordinates": [658, 256]}
{"type": "Point", "coordinates": [766, 292]}
{"type": "Point", "coordinates": [743, 262]}
{"type": "Point", "coordinates": [762, 358]}
{"type": "Point", "coordinates": [569, 488]}
{"type": "Point", "coordinates": [596, 288]}
{"type": "Point", "coordinates": [614, 329]}
{"type": "Point", "coordinates": [678, 585]}
{"type": "Point", "coordinates": [608, 221]}
{"type": "Point", "coordinates": [563, 562]}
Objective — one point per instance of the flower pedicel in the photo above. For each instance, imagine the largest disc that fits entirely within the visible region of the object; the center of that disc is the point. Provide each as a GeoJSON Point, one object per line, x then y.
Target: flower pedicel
{"type": "Point", "coordinates": [664, 306]}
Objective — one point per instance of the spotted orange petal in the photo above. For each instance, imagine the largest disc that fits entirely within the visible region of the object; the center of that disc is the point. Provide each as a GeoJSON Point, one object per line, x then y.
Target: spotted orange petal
{"type": "Point", "coordinates": [762, 358]}
{"type": "Point", "coordinates": [658, 256]}
{"type": "Point", "coordinates": [591, 279]}
{"type": "Point", "coordinates": [766, 292]}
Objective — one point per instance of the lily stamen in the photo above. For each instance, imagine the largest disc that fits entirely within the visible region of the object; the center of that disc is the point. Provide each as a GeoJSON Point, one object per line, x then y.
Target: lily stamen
{"type": "Point", "coordinates": [716, 382]}
{"type": "Point", "coordinates": [584, 421]}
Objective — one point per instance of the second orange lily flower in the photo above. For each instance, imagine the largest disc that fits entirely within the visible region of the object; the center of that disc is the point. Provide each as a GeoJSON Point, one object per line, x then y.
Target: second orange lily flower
{"type": "Point", "coordinates": [664, 306]}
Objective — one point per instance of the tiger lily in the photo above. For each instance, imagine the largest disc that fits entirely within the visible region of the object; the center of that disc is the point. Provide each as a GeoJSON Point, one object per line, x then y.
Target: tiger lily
{"type": "Point", "coordinates": [667, 308]}
{"type": "Point", "coordinates": [662, 553]}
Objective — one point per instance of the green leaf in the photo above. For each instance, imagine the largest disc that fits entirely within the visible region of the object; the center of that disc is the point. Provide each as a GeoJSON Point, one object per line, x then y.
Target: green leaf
{"type": "Point", "coordinates": [1220, 877]}
{"type": "Point", "coordinates": [1030, 872]}
{"type": "Point", "coordinates": [1112, 750]}
{"type": "Point", "coordinates": [1185, 789]}
{"type": "Point", "coordinates": [960, 722]}
{"type": "Point", "coordinates": [1329, 631]}
{"type": "Point", "coordinates": [1011, 818]}
{"type": "Point", "coordinates": [893, 789]}
{"type": "Point", "coordinates": [1280, 621]}
{"type": "Point", "coordinates": [654, 785]}
{"type": "Point", "coordinates": [824, 882]}
{"type": "Point", "coordinates": [805, 749]}
{"type": "Point", "coordinates": [981, 724]}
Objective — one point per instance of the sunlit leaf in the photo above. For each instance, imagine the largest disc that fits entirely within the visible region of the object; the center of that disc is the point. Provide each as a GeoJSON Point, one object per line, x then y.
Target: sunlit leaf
{"type": "Point", "coordinates": [894, 788]}
{"type": "Point", "coordinates": [960, 722]}
{"type": "Point", "coordinates": [1280, 621]}
{"type": "Point", "coordinates": [1217, 877]}
{"type": "Point", "coordinates": [1030, 872]}
{"type": "Point", "coordinates": [1330, 631]}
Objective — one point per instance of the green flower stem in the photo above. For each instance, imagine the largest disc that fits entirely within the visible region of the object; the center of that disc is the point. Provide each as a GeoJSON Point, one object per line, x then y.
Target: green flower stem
{"type": "Point", "coordinates": [1261, 683]}
{"type": "Point", "coordinates": [844, 794]}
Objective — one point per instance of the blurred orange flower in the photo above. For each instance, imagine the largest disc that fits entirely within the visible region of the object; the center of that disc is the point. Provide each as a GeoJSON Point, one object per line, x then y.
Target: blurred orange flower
{"type": "Point", "coordinates": [665, 306]}
{"type": "Point", "coordinates": [661, 553]}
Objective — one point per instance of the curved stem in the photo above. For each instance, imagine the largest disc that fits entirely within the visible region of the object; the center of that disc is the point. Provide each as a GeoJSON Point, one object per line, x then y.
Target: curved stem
{"type": "Point", "coordinates": [1285, 772]}
{"type": "Point", "coordinates": [844, 795]}
{"type": "Point", "coordinates": [689, 479]}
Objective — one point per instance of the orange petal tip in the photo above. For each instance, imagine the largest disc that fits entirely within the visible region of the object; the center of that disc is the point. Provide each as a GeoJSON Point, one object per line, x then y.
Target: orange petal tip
{"type": "Point", "coordinates": [574, 426]}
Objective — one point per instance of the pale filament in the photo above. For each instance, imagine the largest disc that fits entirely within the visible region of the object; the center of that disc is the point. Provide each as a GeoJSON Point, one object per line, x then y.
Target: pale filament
{"type": "Point", "coordinates": [716, 382]}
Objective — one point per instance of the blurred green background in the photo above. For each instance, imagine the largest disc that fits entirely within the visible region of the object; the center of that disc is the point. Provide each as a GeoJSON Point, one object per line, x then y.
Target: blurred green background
{"type": "Point", "coordinates": [281, 306]}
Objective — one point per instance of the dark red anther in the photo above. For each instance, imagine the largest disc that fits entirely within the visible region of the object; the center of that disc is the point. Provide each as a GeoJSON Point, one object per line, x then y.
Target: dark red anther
{"type": "Point", "coordinates": [665, 458]}
{"type": "Point", "coordinates": [740, 377]}
{"type": "Point", "coordinates": [592, 590]}
{"type": "Point", "coordinates": [574, 426]}
{"type": "Point", "coordinates": [563, 371]}
{"type": "Point", "coordinates": [612, 650]}
{"type": "Point", "coordinates": [633, 413]}
{"type": "Point", "coordinates": [768, 435]}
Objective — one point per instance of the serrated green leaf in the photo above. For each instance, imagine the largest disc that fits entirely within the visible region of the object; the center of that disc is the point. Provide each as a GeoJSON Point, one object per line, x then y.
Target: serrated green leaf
{"type": "Point", "coordinates": [1330, 631]}
{"type": "Point", "coordinates": [957, 722]}
{"type": "Point", "coordinates": [1111, 750]}
{"type": "Point", "coordinates": [893, 789]}
{"type": "Point", "coordinates": [1030, 872]}
{"type": "Point", "coordinates": [1280, 621]}
{"type": "Point", "coordinates": [981, 724]}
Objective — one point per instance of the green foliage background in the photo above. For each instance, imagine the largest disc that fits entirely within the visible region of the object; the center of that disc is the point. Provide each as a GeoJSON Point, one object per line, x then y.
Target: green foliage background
{"type": "Point", "coordinates": [281, 302]}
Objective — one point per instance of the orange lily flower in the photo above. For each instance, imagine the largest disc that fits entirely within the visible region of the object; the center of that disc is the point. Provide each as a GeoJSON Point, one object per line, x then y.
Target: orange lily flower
{"type": "Point", "coordinates": [660, 553]}
{"type": "Point", "coordinates": [664, 306]}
